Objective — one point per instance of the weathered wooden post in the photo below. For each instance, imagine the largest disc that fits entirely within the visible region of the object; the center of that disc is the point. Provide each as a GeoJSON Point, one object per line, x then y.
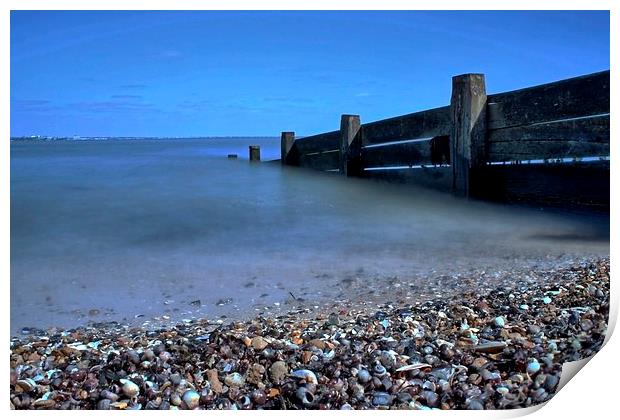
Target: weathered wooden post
{"type": "Point", "coordinates": [468, 115]}
{"type": "Point", "coordinates": [350, 145]}
{"type": "Point", "coordinates": [287, 140]}
{"type": "Point", "coordinates": [254, 153]}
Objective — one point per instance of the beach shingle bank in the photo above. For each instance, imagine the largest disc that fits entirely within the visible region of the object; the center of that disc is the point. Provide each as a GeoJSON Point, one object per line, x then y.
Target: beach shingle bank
{"type": "Point", "coordinates": [496, 350]}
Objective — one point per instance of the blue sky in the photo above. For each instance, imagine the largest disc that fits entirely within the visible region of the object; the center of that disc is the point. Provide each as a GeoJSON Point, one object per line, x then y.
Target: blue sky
{"type": "Point", "coordinates": [204, 73]}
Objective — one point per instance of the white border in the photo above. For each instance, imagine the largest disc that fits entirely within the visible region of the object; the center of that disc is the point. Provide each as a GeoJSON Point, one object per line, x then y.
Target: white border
{"type": "Point", "coordinates": [590, 395]}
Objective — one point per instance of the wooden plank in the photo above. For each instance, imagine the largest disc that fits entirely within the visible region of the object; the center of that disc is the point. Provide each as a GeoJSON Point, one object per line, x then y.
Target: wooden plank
{"type": "Point", "coordinates": [579, 185]}
{"type": "Point", "coordinates": [437, 178]}
{"type": "Point", "coordinates": [254, 153]}
{"type": "Point", "coordinates": [287, 140]}
{"type": "Point", "coordinates": [318, 143]}
{"type": "Point", "coordinates": [468, 130]}
{"type": "Point", "coordinates": [429, 123]}
{"type": "Point", "coordinates": [321, 161]}
{"type": "Point", "coordinates": [594, 129]}
{"type": "Point", "coordinates": [350, 145]}
{"type": "Point", "coordinates": [414, 153]}
{"type": "Point", "coordinates": [544, 149]}
{"type": "Point", "coordinates": [570, 98]}
{"type": "Point", "coordinates": [572, 138]}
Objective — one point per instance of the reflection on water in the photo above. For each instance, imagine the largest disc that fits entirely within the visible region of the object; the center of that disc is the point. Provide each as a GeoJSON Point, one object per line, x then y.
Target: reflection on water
{"type": "Point", "coordinates": [128, 227]}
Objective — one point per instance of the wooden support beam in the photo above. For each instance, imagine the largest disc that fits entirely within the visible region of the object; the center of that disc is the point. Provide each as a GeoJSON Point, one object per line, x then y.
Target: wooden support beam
{"type": "Point", "coordinates": [468, 115]}
{"type": "Point", "coordinates": [254, 153]}
{"type": "Point", "coordinates": [287, 141]}
{"type": "Point", "coordinates": [350, 145]}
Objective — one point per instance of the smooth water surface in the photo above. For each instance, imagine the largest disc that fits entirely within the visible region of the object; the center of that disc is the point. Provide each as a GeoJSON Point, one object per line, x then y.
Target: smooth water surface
{"type": "Point", "coordinates": [111, 230]}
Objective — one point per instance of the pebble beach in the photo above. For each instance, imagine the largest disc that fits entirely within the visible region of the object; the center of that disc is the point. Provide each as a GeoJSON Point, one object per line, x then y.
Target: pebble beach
{"type": "Point", "coordinates": [482, 345]}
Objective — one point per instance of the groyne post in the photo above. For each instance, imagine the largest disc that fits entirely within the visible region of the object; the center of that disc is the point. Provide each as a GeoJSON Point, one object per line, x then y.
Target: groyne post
{"type": "Point", "coordinates": [287, 140]}
{"type": "Point", "coordinates": [468, 129]}
{"type": "Point", "coordinates": [350, 145]}
{"type": "Point", "coordinates": [254, 153]}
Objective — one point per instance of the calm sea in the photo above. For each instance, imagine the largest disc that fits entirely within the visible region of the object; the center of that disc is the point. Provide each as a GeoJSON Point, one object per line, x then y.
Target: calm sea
{"type": "Point", "coordinates": [131, 229]}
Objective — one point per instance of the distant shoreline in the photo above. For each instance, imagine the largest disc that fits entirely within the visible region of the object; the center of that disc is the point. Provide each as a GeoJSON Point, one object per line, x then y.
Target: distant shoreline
{"type": "Point", "coordinates": [103, 138]}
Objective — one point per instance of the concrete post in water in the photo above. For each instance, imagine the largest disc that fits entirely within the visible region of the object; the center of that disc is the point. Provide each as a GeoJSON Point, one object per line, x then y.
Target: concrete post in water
{"type": "Point", "coordinates": [350, 145]}
{"type": "Point", "coordinates": [287, 140]}
{"type": "Point", "coordinates": [254, 153]}
{"type": "Point", "coordinates": [468, 115]}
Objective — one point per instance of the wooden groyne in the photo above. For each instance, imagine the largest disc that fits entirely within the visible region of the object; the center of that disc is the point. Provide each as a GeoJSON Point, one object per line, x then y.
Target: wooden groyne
{"type": "Point", "coordinates": [546, 144]}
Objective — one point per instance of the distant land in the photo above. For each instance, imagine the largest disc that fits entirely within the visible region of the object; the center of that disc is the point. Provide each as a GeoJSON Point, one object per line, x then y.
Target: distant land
{"type": "Point", "coordinates": [54, 138]}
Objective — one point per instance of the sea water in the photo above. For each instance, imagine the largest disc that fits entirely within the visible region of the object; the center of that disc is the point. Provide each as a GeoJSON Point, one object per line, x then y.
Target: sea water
{"type": "Point", "coordinates": [128, 230]}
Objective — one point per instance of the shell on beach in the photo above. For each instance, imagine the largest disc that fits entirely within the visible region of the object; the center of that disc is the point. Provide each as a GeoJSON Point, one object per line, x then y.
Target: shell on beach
{"type": "Point", "coordinates": [129, 388]}
{"type": "Point", "coordinates": [191, 399]}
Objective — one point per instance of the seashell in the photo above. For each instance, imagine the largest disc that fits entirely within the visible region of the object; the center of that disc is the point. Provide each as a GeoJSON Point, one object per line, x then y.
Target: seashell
{"type": "Point", "coordinates": [176, 379]}
{"type": "Point", "coordinates": [446, 352]}
{"type": "Point", "coordinates": [305, 396]}
{"type": "Point", "coordinates": [44, 403]}
{"type": "Point", "coordinates": [28, 385]}
{"type": "Point", "coordinates": [414, 366]}
{"type": "Point", "coordinates": [487, 375]}
{"type": "Point", "coordinates": [234, 394]}
{"type": "Point", "coordinates": [429, 386]}
{"type": "Point", "coordinates": [379, 370]}
{"type": "Point", "coordinates": [133, 357]}
{"type": "Point", "coordinates": [427, 350]}
{"type": "Point", "coordinates": [234, 379]}
{"type": "Point", "coordinates": [474, 404]}
{"type": "Point", "coordinates": [104, 404]}
{"type": "Point", "coordinates": [152, 405]}
{"type": "Point", "coordinates": [120, 405]}
{"type": "Point", "coordinates": [532, 366]}
{"type": "Point", "coordinates": [363, 376]}
{"type": "Point", "coordinates": [148, 355]}
{"type": "Point", "coordinates": [388, 358]}
{"type": "Point", "coordinates": [381, 399]}
{"type": "Point", "coordinates": [502, 390]}
{"type": "Point", "coordinates": [551, 382]}
{"type": "Point", "coordinates": [129, 388]}
{"type": "Point", "coordinates": [109, 395]}
{"type": "Point", "coordinates": [175, 399]}
{"type": "Point", "coordinates": [539, 394]}
{"type": "Point", "coordinates": [269, 353]}
{"type": "Point", "coordinates": [329, 355]}
{"type": "Point", "coordinates": [191, 399]}
{"type": "Point", "coordinates": [499, 322]}
{"type": "Point", "coordinates": [490, 347]}
{"type": "Point", "coordinates": [223, 404]}
{"type": "Point", "coordinates": [259, 396]}
{"type": "Point", "coordinates": [306, 375]}
{"type": "Point", "coordinates": [278, 371]}
{"type": "Point", "coordinates": [207, 395]}
{"type": "Point", "coordinates": [255, 373]}
{"type": "Point", "coordinates": [164, 356]}
{"type": "Point", "coordinates": [430, 397]}
{"type": "Point", "coordinates": [259, 343]}
{"type": "Point", "coordinates": [151, 385]}
{"type": "Point", "coordinates": [346, 406]}
{"type": "Point", "coordinates": [244, 402]}
{"type": "Point", "coordinates": [443, 373]}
